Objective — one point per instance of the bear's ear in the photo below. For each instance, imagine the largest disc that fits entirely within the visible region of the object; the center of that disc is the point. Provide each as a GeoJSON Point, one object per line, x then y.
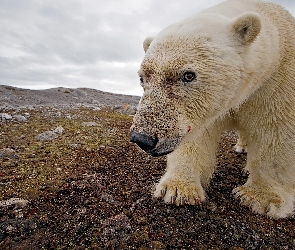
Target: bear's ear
{"type": "Point", "coordinates": [247, 27]}
{"type": "Point", "coordinates": [147, 42]}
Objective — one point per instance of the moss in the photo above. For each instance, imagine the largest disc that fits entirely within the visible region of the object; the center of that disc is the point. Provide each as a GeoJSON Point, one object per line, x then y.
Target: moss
{"type": "Point", "coordinates": [48, 163]}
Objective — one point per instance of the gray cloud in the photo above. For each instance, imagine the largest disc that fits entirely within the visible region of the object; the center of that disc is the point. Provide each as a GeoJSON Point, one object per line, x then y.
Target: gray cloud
{"type": "Point", "coordinates": [96, 44]}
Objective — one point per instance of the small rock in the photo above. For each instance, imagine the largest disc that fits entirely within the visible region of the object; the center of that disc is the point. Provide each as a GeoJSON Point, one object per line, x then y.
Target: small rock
{"type": "Point", "coordinates": [95, 101]}
{"type": "Point", "coordinates": [75, 146]}
{"type": "Point", "coordinates": [120, 221]}
{"type": "Point", "coordinates": [109, 199]}
{"type": "Point", "coordinates": [81, 210]}
{"type": "Point", "coordinates": [50, 135]}
{"type": "Point", "coordinates": [10, 228]}
{"type": "Point", "coordinates": [212, 207]}
{"type": "Point", "coordinates": [8, 153]}
{"type": "Point", "coordinates": [127, 109]}
{"type": "Point", "coordinates": [172, 220]}
{"type": "Point", "coordinates": [47, 136]}
{"type": "Point", "coordinates": [59, 130]}
{"type": "Point", "coordinates": [18, 213]}
{"type": "Point", "coordinates": [19, 118]}
{"type": "Point", "coordinates": [5, 117]}
{"type": "Point", "coordinates": [116, 107]}
{"type": "Point", "coordinates": [17, 202]}
{"type": "Point", "coordinates": [89, 124]}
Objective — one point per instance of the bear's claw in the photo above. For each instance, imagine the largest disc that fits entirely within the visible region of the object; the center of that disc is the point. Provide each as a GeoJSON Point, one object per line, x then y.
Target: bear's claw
{"type": "Point", "coordinates": [179, 193]}
{"type": "Point", "coordinates": [269, 204]}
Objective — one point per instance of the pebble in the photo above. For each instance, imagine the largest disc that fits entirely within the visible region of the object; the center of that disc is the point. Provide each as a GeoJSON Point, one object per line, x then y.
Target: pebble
{"type": "Point", "coordinates": [10, 228]}
{"type": "Point", "coordinates": [172, 220]}
{"type": "Point", "coordinates": [212, 207]}
{"type": "Point", "coordinates": [47, 136]}
{"type": "Point", "coordinates": [8, 153]}
{"type": "Point", "coordinates": [19, 118]}
{"type": "Point", "coordinates": [119, 221]}
{"type": "Point", "coordinates": [75, 146]}
{"type": "Point", "coordinates": [127, 109]}
{"type": "Point", "coordinates": [50, 134]}
{"type": "Point", "coordinates": [17, 202]}
{"type": "Point", "coordinates": [89, 124]}
{"type": "Point", "coordinates": [59, 130]}
{"type": "Point", "coordinates": [18, 213]}
{"type": "Point", "coordinates": [5, 117]}
{"type": "Point", "coordinates": [81, 210]}
{"type": "Point", "coordinates": [8, 117]}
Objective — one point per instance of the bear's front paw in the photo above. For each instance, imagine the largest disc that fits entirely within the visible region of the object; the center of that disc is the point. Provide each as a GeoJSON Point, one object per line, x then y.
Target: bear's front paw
{"type": "Point", "coordinates": [180, 193]}
{"type": "Point", "coordinates": [267, 203]}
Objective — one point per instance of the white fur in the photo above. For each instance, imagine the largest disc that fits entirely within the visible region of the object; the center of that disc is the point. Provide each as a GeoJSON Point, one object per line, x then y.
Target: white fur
{"type": "Point", "coordinates": [243, 52]}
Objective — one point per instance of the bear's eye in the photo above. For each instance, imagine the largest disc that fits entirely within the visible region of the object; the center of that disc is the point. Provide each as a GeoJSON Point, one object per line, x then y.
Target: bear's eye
{"type": "Point", "coordinates": [141, 81]}
{"type": "Point", "coordinates": [188, 76]}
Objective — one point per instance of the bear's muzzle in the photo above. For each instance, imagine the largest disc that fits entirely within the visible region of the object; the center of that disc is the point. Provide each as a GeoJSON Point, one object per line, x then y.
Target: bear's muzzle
{"type": "Point", "coordinates": [145, 142]}
{"type": "Point", "coordinates": [152, 145]}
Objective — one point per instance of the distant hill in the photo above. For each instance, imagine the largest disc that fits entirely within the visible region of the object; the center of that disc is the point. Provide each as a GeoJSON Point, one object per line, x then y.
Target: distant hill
{"type": "Point", "coordinates": [12, 97]}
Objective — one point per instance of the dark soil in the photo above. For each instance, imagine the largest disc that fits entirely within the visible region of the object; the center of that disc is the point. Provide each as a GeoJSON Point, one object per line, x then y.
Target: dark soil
{"type": "Point", "coordinates": [91, 189]}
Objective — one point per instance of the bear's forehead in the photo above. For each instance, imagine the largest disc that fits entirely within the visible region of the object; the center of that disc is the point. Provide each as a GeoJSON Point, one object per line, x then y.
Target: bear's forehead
{"type": "Point", "coordinates": [162, 60]}
{"type": "Point", "coordinates": [163, 67]}
{"type": "Point", "coordinates": [175, 54]}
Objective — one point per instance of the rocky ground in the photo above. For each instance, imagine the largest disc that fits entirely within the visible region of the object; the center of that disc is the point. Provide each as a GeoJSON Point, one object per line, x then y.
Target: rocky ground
{"type": "Point", "coordinates": [70, 179]}
{"type": "Point", "coordinates": [12, 97]}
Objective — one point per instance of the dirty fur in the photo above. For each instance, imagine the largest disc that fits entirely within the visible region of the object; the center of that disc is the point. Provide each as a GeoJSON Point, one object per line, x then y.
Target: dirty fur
{"type": "Point", "coordinates": [243, 56]}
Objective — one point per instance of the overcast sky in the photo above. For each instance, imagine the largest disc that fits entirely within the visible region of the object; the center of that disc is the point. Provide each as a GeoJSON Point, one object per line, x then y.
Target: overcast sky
{"type": "Point", "coordinates": [84, 43]}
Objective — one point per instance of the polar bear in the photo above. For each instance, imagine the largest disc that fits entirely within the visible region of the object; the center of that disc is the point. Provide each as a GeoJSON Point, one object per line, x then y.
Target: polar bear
{"type": "Point", "coordinates": [230, 67]}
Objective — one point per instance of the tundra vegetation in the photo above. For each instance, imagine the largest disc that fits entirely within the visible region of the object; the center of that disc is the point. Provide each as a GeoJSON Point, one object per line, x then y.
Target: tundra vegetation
{"type": "Point", "coordinates": [90, 188]}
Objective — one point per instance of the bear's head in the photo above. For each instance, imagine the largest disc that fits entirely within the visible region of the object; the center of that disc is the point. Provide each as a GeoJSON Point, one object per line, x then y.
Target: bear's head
{"type": "Point", "coordinates": [193, 73]}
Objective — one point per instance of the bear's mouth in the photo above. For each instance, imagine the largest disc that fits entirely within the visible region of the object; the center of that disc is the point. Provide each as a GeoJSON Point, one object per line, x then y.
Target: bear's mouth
{"type": "Point", "coordinates": [156, 153]}
{"type": "Point", "coordinates": [153, 145]}
{"type": "Point", "coordinates": [164, 147]}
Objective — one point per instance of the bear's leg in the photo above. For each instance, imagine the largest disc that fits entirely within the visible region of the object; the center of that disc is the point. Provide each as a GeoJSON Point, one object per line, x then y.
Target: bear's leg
{"type": "Point", "coordinates": [270, 188]}
{"type": "Point", "coordinates": [241, 145]}
{"type": "Point", "coordinates": [189, 167]}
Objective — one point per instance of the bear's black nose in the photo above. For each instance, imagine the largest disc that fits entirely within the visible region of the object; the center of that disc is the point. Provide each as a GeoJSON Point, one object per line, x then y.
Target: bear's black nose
{"type": "Point", "coordinates": [144, 141]}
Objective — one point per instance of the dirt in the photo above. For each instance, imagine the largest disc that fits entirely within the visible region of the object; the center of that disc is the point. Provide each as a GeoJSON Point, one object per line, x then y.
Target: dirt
{"type": "Point", "coordinates": [91, 189]}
